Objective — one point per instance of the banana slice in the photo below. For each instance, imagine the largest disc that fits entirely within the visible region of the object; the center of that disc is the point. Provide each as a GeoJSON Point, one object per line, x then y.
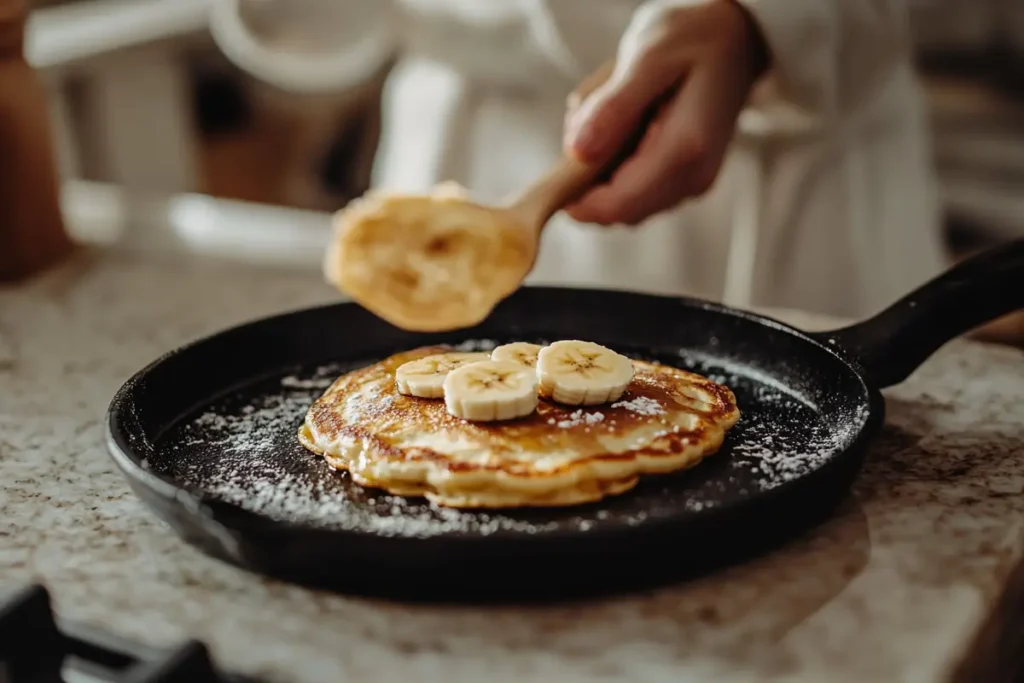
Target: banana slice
{"type": "Point", "coordinates": [523, 353]}
{"type": "Point", "coordinates": [491, 390]}
{"type": "Point", "coordinates": [424, 377]}
{"type": "Point", "coordinates": [579, 373]}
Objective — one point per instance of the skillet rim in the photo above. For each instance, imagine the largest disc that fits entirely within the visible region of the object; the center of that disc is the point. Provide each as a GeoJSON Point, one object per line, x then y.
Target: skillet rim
{"type": "Point", "coordinates": [237, 520]}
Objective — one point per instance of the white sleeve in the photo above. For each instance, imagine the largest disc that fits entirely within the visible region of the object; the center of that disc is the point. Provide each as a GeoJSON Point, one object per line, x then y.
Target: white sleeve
{"type": "Point", "coordinates": [306, 45]}
{"type": "Point", "coordinates": [578, 36]}
{"type": "Point", "coordinates": [828, 56]}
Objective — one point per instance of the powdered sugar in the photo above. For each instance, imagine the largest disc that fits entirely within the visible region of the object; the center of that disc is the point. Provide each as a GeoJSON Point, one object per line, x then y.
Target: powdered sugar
{"type": "Point", "coordinates": [242, 449]}
{"type": "Point", "coordinates": [255, 425]}
{"type": "Point", "coordinates": [641, 405]}
{"type": "Point", "coordinates": [787, 438]}
{"type": "Point", "coordinates": [776, 457]}
{"type": "Point", "coordinates": [299, 498]}
{"type": "Point", "coordinates": [471, 345]}
{"type": "Point", "coordinates": [293, 382]}
{"type": "Point", "coordinates": [576, 418]}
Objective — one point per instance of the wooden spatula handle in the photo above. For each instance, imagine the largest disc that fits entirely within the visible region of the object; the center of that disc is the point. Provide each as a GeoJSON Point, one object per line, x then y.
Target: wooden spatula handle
{"type": "Point", "coordinates": [566, 180]}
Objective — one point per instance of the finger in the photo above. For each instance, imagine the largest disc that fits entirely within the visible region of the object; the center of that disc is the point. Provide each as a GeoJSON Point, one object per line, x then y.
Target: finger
{"type": "Point", "coordinates": [589, 84]}
{"type": "Point", "coordinates": [609, 205]}
{"type": "Point", "coordinates": [609, 117]}
{"type": "Point", "coordinates": [680, 161]}
{"type": "Point", "coordinates": [599, 205]}
{"type": "Point", "coordinates": [644, 184]}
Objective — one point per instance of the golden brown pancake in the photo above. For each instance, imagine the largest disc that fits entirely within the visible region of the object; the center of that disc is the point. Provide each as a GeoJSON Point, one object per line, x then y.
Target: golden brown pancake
{"type": "Point", "coordinates": [667, 420]}
{"type": "Point", "coordinates": [427, 262]}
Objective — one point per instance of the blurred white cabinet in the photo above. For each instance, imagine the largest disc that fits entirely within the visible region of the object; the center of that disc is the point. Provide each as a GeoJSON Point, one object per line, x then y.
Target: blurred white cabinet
{"type": "Point", "coordinates": [129, 119]}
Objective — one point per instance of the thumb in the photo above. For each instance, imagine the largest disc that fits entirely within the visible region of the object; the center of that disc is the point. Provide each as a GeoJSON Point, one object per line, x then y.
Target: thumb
{"type": "Point", "coordinates": [609, 116]}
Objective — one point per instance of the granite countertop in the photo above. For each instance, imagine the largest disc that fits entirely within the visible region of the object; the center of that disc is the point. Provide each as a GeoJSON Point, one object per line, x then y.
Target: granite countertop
{"type": "Point", "coordinates": [902, 583]}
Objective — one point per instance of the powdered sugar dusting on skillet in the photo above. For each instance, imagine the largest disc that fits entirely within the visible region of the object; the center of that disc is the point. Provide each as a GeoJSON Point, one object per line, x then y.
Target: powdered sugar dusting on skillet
{"type": "Point", "coordinates": [242, 449]}
{"type": "Point", "coordinates": [247, 471]}
{"type": "Point", "coordinates": [778, 455]}
{"type": "Point", "coordinates": [471, 345]}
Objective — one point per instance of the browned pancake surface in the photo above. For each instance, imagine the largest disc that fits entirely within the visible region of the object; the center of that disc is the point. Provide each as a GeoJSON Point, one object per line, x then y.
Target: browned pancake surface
{"type": "Point", "coordinates": [668, 419]}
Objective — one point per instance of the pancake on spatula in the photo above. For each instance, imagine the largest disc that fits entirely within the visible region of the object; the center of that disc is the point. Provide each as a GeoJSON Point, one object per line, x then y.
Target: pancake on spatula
{"type": "Point", "coordinates": [427, 262]}
{"type": "Point", "coordinates": [665, 420]}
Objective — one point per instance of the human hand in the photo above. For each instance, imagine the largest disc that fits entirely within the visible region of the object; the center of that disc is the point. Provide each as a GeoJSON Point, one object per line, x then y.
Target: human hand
{"type": "Point", "coordinates": [682, 75]}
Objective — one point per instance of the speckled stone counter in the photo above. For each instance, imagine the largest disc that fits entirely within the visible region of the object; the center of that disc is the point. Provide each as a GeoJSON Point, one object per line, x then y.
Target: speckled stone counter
{"type": "Point", "coordinates": [902, 584]}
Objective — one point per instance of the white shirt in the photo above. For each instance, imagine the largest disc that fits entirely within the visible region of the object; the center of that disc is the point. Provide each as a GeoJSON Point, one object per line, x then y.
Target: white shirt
{"type": "Point", "coordinates": [827, 200]}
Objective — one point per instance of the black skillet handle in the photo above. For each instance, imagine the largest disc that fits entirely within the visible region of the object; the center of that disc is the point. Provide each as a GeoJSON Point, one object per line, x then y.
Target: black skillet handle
{"type": "Point", "coordinates": [893, 343]}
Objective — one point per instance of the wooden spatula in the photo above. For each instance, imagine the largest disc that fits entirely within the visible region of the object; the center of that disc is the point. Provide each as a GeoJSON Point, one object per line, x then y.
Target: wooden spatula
{"type": "Point", "coordinates": [441, 262]}
{"type": "Point", "coordinates": [568, 179]}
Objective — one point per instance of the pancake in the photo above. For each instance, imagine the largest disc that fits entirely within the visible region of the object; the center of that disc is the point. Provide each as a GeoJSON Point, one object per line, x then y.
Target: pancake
{"type": "Point", "coordinates": [427, 262]}
{"type": "Point", "coordinates": [667, 420]}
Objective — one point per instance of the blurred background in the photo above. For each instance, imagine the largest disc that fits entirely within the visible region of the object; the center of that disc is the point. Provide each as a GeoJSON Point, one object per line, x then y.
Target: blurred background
{"type": "Point", "coordinates": [152, 121]}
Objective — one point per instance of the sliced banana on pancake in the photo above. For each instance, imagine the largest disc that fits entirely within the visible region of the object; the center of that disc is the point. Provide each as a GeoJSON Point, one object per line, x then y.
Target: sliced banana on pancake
{"type": "Point", "coordinates": [523, 353]}
{"type": "Point", "coordinates": [424, 377]}
{"type": "Point", "coordinates": [557, 455]}
{"type": "Point", "coordinates": [580, 373]}
{"type": "Point", "coordinates": [491, 390]}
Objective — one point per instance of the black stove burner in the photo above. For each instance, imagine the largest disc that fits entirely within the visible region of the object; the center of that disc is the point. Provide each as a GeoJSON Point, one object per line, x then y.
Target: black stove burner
{"type": "Point", "coordinates": [34, 648]}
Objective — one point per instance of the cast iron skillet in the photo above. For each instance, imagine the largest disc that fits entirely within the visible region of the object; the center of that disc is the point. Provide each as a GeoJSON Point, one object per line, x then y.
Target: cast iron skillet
{"type": "Point", "coordinates": [206, 437]}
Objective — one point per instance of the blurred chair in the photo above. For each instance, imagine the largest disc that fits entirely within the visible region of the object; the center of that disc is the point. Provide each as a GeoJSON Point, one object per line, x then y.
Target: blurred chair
{"type": "Point", "coordinates": [317, 59]}
{"type": "Point", "coordinates": [118, 88]}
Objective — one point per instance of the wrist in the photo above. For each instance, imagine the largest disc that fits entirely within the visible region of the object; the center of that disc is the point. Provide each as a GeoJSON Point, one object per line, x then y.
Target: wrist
{"type": "Point", "coordinates": [758, 54]}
